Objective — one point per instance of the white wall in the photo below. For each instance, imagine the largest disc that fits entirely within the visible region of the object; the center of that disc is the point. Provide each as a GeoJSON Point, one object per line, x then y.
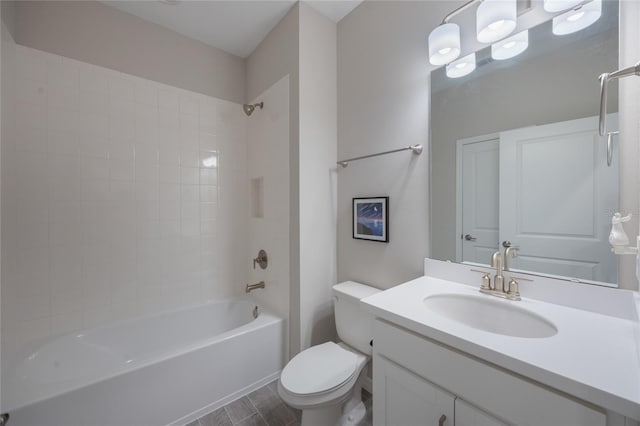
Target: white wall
{"type": "Point", "coordinates": [383, 104]}
{"type": "Point", "coordinates": [102, 35]}
{"type": "Point", "coordinates": [303, 46]}
{"type": "Point", "coordinates": [629, 93]}
{"type": "Point", "coordinates": [383, 101]}
{"type": "Point", "coordinates": [267, 152]}
{"type": "Point", "coordinates": [318, 177]}
{"type": "Point", "coordinates": [109, 208]}
{"type": "Point", "coordinates": [7, 52]}
{"type": "Point", "coordinates": [275, 57]}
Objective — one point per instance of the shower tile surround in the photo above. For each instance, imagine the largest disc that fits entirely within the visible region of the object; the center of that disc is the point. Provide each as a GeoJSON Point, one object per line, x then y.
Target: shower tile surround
{"type": "Point", "coordinates": [118, 195]}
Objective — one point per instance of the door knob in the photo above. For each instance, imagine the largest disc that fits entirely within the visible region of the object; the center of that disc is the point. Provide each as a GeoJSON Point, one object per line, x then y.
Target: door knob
{"type": "Point", "coordinates": [468, 237]}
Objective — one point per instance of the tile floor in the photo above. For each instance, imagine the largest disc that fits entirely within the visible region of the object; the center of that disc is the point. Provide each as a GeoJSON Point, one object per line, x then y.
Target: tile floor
{"type": "Point", "coordinates": [263, 407]}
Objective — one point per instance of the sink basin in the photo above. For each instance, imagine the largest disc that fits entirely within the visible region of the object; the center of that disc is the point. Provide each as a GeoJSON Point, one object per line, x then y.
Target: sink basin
{"type": "Point", "coordinates": [495, 316]}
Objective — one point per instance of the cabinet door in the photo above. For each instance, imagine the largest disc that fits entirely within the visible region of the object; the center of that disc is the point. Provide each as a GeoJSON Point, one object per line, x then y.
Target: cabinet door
{"type": "Point", "coordinates": [468, 415]}
{"type": "Point", "coordinates": [402, 398]}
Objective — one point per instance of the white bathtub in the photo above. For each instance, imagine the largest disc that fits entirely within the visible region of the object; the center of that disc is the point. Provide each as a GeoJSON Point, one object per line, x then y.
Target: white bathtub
{"type": "Point", "coordinates": [169, 368]}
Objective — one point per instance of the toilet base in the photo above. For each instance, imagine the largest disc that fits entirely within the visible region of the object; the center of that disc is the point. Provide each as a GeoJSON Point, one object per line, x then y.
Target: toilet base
{"type": "Point", "coordinates": [350, 413]}
{"type": "Point", "coordinates": [355, 416]}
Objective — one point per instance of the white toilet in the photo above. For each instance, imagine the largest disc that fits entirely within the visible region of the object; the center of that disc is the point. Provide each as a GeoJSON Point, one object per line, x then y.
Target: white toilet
{"type": "Point", "coordinates": [325, 381]}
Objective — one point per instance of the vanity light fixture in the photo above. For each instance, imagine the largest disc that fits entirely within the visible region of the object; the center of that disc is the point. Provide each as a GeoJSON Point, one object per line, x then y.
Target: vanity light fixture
{"type": "Point", "coordinates": [444, 44]}
{"type": "Point", "coordinates": [510, 47]}
{"type": "Point", "coordinates": [577, 19]}
{"type": "Point", "coordinates": [495, 19]}
{"type": "Point", "coordinates": [560, 5]}
{"type": "Point", "coordinates": [462, 66]}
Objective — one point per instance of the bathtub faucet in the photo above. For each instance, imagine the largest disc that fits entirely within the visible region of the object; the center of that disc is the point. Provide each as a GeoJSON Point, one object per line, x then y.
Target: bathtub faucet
{"type": "Point", "coordinates": [251, 287]}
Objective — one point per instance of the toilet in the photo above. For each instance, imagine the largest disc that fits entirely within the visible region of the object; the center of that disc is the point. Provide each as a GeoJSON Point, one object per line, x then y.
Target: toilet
{"type": "Point", "coordinates": [325, 381]}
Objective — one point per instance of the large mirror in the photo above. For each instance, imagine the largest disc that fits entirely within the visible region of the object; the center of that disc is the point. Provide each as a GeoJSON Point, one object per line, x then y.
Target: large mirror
{"type": "Point", "coordinates": [516, 160]}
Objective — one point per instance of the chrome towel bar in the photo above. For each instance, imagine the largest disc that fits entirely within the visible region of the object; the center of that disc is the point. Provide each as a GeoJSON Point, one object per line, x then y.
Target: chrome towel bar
{"type": "Point", "coordinates": [416, 149]}
{"type": "Point", "coordinates": [602, 122]}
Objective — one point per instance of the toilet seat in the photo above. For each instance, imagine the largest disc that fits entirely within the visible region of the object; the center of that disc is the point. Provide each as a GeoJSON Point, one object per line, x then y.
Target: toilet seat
{"type": "Point", "coordinates": [319, 369]}
{"type": "Point", "coordinates": [323, 391]}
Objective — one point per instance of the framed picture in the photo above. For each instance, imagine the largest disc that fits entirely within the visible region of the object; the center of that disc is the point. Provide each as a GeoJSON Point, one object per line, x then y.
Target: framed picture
{"type": "Point", "coordinates": [371, 219]}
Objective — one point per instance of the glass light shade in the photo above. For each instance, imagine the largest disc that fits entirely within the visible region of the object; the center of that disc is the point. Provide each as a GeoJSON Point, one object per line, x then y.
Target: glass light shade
{"type": "Point", "coordinates": [510, 47]}
{"type": "Point", "coordinates": [560, 5]}
{"type": "Point", "coordinates": [495, 19]}
{"type": "Point", "coordinates": [577, 19]}
{"type": "Point", "coordinates": [444, 44]}
{"type": "Point", "coordinates": [462, 66]}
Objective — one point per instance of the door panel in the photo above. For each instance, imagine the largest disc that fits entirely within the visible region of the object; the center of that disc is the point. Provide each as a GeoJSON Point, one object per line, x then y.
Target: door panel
{"type": "Point", "coordinates": [479, 163]}
{"type": "Point", "coordinates": [557, 196]}
{"type": "Point", "coordinates": [408, 399]}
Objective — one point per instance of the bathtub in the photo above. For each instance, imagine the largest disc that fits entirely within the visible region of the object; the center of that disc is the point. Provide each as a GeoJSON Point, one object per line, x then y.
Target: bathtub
{"type": "Point", "coordinates": [168, 368]}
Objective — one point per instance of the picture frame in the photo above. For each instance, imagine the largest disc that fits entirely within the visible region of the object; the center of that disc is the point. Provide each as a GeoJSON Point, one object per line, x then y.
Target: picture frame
{"type": "Point", "coordinates": [371, 219]}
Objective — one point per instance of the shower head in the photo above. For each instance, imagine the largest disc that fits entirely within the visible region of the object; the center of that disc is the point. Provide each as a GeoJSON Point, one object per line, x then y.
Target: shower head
{"type": "Point", "coordinates": [248, 109]}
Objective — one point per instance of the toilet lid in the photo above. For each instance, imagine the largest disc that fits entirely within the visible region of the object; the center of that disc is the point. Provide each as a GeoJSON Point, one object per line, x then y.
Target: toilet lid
{"type": "Point", "coordinates": [319, 369]}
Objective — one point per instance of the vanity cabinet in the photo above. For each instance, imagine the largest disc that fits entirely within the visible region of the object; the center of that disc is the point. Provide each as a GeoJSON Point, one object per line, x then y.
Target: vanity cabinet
{"type": "Point", "coordinates": [417, 380]}
{"type": "Point", "coordinates": [411, 400]}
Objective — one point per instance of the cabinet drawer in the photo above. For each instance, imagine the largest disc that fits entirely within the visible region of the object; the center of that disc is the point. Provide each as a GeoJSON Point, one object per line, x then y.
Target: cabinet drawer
{"type": "Point", "coordinates": [492, 389]}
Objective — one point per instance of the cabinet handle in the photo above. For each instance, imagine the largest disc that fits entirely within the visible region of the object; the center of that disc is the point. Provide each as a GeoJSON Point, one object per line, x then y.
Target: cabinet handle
{"type": "Point", "coordinates": [442, 419]}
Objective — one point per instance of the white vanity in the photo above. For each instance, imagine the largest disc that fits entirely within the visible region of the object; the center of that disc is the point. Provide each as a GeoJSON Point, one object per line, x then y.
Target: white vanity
{"type": "Point", "coordinates": [445, 354]}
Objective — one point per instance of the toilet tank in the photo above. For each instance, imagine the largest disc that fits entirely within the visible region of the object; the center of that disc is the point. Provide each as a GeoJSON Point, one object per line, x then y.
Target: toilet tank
{"type": "Point", "coordinates": [353, 323]}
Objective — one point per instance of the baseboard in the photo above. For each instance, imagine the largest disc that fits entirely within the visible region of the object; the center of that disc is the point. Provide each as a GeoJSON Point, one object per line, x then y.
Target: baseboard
{"type": "Point", "coordinates": [183, 421]}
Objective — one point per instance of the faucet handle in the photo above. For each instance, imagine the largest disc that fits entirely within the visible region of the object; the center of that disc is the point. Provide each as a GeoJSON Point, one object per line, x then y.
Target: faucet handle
{"type": "Point", "coordinates": [486, 279]}
{"type": "Point", "coordinates": [514, 289]}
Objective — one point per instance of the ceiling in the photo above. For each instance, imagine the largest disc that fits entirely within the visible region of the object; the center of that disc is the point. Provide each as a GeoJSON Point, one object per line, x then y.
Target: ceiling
{"type": "Point", "coordinates": [235, 26]}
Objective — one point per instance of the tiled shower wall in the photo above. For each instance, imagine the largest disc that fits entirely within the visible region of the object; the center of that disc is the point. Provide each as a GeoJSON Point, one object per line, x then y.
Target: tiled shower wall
{"type": "Point", "coordinates": [118, 198]}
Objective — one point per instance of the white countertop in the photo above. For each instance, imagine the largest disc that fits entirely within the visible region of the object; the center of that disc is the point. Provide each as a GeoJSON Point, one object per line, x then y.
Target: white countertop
{"type": "Point", "coordinates": [593, 357]}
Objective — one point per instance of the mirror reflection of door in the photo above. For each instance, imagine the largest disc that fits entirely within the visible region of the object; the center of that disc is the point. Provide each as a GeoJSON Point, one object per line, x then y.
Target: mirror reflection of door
{"type": "Point", "coordinates": [478, 184]}
{"type": "Point", "coordinates": [553, 200]}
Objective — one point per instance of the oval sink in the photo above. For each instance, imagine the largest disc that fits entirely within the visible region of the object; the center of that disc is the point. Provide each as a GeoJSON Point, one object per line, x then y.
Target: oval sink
{"type": "Point", "coordinates": [495, 316]}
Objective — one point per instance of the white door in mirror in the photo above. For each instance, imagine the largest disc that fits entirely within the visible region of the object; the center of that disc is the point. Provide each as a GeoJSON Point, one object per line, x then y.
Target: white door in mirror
{"type": "Point", "coordinates": [557, 196]}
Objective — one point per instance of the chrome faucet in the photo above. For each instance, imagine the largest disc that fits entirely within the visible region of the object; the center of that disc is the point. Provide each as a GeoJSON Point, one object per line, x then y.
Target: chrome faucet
{"type": "Point", "coordinates": [497, 288]}
{"type": "Point", "coordinates": [498, 278]}
{"type": "Point", "coordinates": [251, 287]}
{"type": "Point", "coordinates": [509, 252]}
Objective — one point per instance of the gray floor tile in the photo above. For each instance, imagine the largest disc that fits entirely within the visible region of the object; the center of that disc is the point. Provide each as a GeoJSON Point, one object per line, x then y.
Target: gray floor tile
{"type": "Point", "coordinates": [240, 409]}
{"type": "Point", "coordinates": [273, 386]}
{"type": "Point", "coordinates": [278, 415]}
{"type": "Point", "coordinates": [254, 420]}
{"type": "Point", "coordinates": [217, 418]}
{"type": "Point", "coordinates": [271, 407]}
{"type": "Point", "coordinates": [263, 407]}
{"type": "Point", "coordinates": [194, 423]}
{"type": "Point", "coordinates": [263, 398]}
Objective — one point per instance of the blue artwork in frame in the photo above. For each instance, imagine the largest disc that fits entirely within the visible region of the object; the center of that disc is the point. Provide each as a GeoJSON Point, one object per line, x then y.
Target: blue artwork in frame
{"type": "Point", "coordinates": [371, 219]}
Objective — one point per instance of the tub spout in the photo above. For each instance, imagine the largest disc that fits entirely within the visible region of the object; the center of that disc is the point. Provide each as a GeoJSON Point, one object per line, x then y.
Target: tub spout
{"type": "Point", "coordinates": [251, 287]}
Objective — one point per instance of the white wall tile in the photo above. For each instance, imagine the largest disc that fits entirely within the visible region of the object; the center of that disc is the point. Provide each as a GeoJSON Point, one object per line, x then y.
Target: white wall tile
{"type": "Point", "coordinates": [112, 212]}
